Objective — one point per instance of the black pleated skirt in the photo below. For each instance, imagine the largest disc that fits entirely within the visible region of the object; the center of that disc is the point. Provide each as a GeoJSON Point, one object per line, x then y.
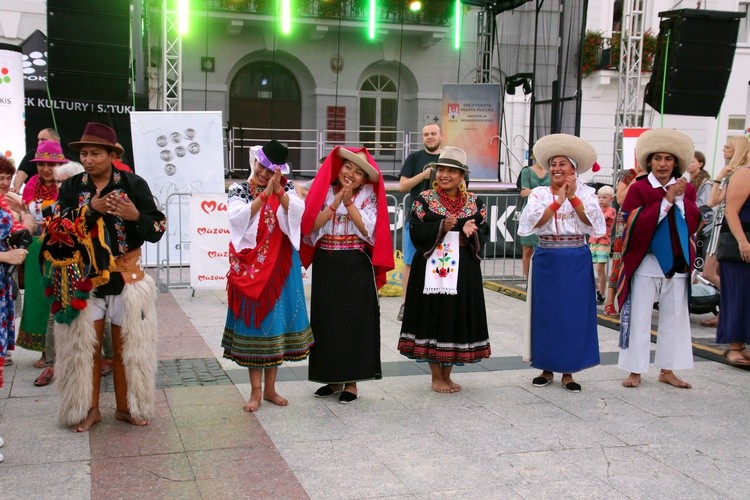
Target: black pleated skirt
{"type": "Point", "coordinates": [345, 318]}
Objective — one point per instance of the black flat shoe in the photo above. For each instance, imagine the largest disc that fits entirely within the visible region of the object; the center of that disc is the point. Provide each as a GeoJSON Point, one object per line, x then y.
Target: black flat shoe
{"type": "Point", "coordinates": [572, 387]}
{"type": "Point", "coordinates": [326, 391]}
{"type": "Point", "coordinates": [347, 397]}
{"type": "Point", "coordinates": [541, 381]}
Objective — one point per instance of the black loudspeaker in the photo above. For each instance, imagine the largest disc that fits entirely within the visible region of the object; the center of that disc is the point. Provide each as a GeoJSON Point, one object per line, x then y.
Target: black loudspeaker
{"type": "Point", "coordinates": [693, 60]}
{"type": "Point", "coordinates": [89, 50]}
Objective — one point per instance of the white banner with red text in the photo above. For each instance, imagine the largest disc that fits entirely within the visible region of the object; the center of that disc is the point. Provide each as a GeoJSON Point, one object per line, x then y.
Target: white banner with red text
{"type": "Point", "coordinates": [209, 240]}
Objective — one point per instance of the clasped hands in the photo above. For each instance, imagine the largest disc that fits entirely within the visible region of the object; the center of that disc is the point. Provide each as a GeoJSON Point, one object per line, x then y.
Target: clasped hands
{"type": "Point", "coordinates": [567, 191]}
{"type": "Point", "coordinates": [470, 226]}
{"type": "Point", "coordinates": [345, 194]}
{"type": "Point", "coordinates": [274, 186]}
{"type": "Point", "coordinates": [675, 190]}
{"type": "Point", "coordinates": [115, 203]}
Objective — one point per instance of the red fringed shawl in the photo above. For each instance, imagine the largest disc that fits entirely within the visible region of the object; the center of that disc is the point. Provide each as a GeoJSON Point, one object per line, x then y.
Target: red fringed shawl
{"type": "Point", "coordinates": [257, 275]}
{"type": "Point", "coordinates": [382, 250]}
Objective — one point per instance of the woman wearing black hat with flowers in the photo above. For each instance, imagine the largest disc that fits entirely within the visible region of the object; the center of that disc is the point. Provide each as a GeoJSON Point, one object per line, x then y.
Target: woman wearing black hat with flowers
{"type": "Point", "coordinates": [267, 318]}
{"type": "Point", "coordinates": [445, 322]}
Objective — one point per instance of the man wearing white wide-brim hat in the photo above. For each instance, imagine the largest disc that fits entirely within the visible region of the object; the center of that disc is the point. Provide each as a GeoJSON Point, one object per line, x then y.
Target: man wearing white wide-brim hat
{"type": "Point", "coordinates": [661, 218]}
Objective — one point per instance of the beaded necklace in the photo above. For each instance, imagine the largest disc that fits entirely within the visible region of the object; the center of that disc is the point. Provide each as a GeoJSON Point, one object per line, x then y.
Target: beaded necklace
{"type": "Point", "coordinates": [454, 206]}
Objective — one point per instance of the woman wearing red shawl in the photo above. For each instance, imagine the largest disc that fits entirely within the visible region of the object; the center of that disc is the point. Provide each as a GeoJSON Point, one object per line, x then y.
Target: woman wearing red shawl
{"type": "Point", "coordinates": [267, 319]}
{"type": "Point", "coordinates": [347, 229]}
{"type": "Point", "coordinates": [658, 253]}
{"type": "Point", "coordinates": [39, 196]}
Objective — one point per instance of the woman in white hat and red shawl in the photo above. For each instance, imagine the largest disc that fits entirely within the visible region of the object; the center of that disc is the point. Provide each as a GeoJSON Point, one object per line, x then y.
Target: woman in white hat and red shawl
{"type": "Point", "coordinates": [267, 319]}
{"type": "Point", "coordinates": [561, 306]}
{"type": "Point", "coordinates": [661, 221]}
{"type": "Point", "coordinates": [347, 232]}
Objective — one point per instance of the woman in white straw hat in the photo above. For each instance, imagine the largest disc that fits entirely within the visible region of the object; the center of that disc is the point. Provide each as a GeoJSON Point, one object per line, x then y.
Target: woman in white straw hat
{"type": "Point", "coordinates": [445, 322]}
{"type": "Point", "coordinates": [657, 259]}
{"type": "Point", "coordinates": [562, 276]}
{"type": "Point", "coordinates": [347, 238]}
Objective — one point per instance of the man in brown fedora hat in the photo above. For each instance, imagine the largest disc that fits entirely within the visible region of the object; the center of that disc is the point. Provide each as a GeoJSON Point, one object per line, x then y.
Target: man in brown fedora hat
{"type": "Point", "coordinates": [120, 205]}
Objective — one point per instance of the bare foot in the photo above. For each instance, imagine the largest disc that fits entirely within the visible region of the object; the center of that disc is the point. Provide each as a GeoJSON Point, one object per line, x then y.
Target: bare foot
{"type": "Point", "coordinates": [442, 387]}
{"type": "Point", "coordinates": [94, 417]}
{"type": "Point", "coordinates": [125, 416]}
{"type": "Point", "coordinates": [274, 398]}
{"type": "Point", "coordinates": [455, 387]}
{"type": "Point", "coordinates": [668, 377]}
{"type": "Point", "coordinates": [633, 380]}
{"type": "Point", "coordinates": [254, 402]}
{"type": "Point", "coordinates": [41, 362]}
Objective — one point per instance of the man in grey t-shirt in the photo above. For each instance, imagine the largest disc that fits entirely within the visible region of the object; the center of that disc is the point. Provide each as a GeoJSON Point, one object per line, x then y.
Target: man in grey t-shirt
{"type": "Point", "coordinates": [412, 178]}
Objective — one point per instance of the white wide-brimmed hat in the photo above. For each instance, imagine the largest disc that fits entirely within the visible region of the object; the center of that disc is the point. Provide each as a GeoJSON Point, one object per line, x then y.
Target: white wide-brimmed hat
{"type": "Point", "coordinates": [570, 146]}
{"type": "Point", "coordinates": [452, 157]}
{"type": "Point", "coordinates": [665, 140]}
{"type": "Point", "coordinates": [360, 159]}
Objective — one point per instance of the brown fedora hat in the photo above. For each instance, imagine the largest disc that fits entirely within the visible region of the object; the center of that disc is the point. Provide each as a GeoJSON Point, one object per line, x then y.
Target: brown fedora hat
{"type": "Point", "coordinates": [98, 134]}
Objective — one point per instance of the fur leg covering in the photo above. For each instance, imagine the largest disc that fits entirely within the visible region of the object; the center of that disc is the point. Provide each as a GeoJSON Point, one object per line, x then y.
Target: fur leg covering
{"type": "Point", "coordinates": [139, 345]}
{"type": "Point", "coordinates": [74, 367]}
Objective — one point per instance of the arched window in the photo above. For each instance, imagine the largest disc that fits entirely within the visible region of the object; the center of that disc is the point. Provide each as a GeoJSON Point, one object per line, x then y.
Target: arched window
{"type": "Point", "coordinates": [378, 114]}
{"type": "Point", "coordinates": [265, 80]}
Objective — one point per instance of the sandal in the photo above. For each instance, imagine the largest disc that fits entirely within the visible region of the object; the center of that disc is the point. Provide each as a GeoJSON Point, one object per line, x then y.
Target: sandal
{"type": "Point", "coordinates": [711, 322]}
{"type": "Point", "coordinates": [46, 377]}
{"type": "Point", "coordinates": [610, 311]}
{"type": "Point", "coordinates": [106, 368]}
{"type": "Point", "coordinates": [739, 360]}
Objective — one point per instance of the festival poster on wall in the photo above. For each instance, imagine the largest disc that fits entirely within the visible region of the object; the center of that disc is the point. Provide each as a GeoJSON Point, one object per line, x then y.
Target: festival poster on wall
{"type": "Point", "coordinates": [209, 241]}
{"type": "Point", "coordinates": [13, 138]}
{"type": "Point", "coordinates": [471, 121]}
{"type": "Point", "coordinates": [629, 138]}
{"type": "Point", "coordinates": [179, 154]}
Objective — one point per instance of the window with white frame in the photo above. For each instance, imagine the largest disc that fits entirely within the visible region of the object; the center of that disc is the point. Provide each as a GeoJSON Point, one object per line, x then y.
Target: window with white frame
{"type": "Point", "coordinates": [378, 115]}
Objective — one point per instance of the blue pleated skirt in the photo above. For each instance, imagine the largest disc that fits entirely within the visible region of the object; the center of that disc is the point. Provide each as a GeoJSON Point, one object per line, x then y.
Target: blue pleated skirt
{"type": "Point", "coordinates": [564, 335]}
{"type": "Point", "coordinates": [284, 334]}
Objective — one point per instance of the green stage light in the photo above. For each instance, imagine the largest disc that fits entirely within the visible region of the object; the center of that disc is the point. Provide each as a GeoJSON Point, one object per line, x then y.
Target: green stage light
{"type": "Point", "coordinates": [183, 17]}
{"type": "Point", "coordinates": [286, 16]}
{"type": "Point", "coordinates": [415, 5]}
{"type": "Point", "coordinates": [371, 19]}
{"type": "Point", "coordinates": [457, 27]}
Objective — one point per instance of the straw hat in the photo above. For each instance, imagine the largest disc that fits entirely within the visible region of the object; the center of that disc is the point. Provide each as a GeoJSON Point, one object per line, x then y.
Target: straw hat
{"type": "Point", "coordinates": [665, 140]}
{"type": "Point", "coordinates": [452, 157]}
{"type": "Point", "coordinates": [360, 159]}
{"type": "Point", "coordinates": [570, 146]}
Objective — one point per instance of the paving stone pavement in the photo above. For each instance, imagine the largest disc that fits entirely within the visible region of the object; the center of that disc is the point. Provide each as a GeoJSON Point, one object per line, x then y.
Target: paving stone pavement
{"type": "Point", "coordinates": [499, 438]}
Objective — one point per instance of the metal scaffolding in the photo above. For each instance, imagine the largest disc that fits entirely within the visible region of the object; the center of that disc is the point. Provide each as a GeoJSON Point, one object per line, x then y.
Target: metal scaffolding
{"type": "Point", "coordinates": [629, 85]}
{"type": "Point", "coordinates": [171, 59]}
{"type": "Point", "coordinates": [485, 39]}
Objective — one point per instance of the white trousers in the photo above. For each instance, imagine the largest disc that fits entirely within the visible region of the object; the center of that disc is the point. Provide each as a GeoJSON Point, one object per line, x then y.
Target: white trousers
{"type": "Point", "coordinates": [673, 349]}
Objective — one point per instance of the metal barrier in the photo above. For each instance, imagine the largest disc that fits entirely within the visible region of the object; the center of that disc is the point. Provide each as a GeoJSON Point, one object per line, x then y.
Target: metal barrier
{"type": "Point", "coordinates": [500, 256]}
{"type": "Point", "coordinates": [174, 261]}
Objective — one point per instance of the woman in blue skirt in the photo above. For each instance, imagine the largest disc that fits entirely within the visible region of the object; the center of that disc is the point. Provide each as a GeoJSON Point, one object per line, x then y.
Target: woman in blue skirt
{"type": "Point", "coordinates": [561, 303]}
{"type": "Point", "coordinates": [267, 320]}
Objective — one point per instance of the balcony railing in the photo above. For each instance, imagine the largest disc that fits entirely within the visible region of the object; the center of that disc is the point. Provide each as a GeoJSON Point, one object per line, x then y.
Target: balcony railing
{"type": "Point", "coordinates": [603, 53]}
{"type": "Point", "coordinates": [434, 12]}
